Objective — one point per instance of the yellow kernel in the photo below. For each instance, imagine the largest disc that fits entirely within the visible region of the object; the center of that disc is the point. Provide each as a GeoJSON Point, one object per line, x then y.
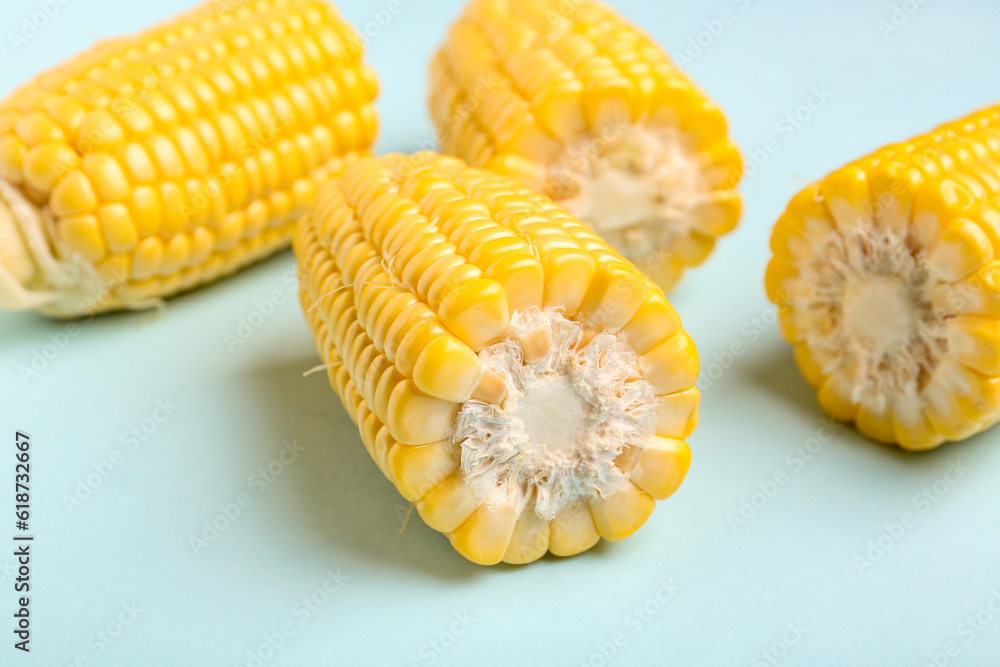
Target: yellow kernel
{"type": "Point", "coordinates": [476, 312]}
{"type": "Point", "coordinates": [11, 156]}
{"type": "Point", "coordinates": [115, 270]}
{"type": "Point", "coordinates": [89, 93]}
{"type": "Point", "coordinates": [292, 166]}
{"type": "Point", "coordinates": [205, 202]}
{"type": "Point", "coordinates": [210, 138]}
{"type": "Point", "coordinates": [99, 130]}
{"type": "Point", "coordinates": [138, 163]}
{"type": "Point", "coordinates": [65, 111]}
{"type": "Point", "coordinates": [257, 217]}
{"type": "Point", "coordinates": [231, 230]}
{"type": "Point", "coordinates": [82, 234]}
{"type": "Point", "coordinates": [166, 156]}
{"type": "Point", "coordinates": [192, 150]}
{"type": "Point", "coordinates": [229, 185]}
{"type": "Point", "coordinates": [326, 142]}
{"type": "Point", "coordinates": [270, 168]}
{"type": "Point", "coordinates": [147, 258]}
{"type": "Point", "coordinates": [118, 228]}
{"type": "Point", "coordinates": [233, 136]}
{"type": "Point", "coordinates": [178, 251]}
{"type": "Point", "coordinates": [146, 211]}
{"type": "Point", "coordinates": [107, 176]}
{"type": "Point", "coordinates": [174, 208]}
{"type": "Point", "coordinates": [74, 194]}
{"type": "Point", "coordinates": [307, 147]}
{"type": "Point", "coordinates": [255, 177]}
{"type": "Point", "coordinates": [303, 193]}
{"type": "Point", "coordinates": [46, 163]}
{"type": "Point", "coordinates": [35, 127]}
{"type": "Point", "coordinates": [202, 244]}
{"type": "Point", "coordinates": [248, 121]}
{"type": "Point", "coordinates": [138, 121]}
{"type": "Point", "coordinates": [349, 134]}
{"type": "Point", "coordinates": [281, 207]}
{"type": "Point", "coordinates": [161, 108]}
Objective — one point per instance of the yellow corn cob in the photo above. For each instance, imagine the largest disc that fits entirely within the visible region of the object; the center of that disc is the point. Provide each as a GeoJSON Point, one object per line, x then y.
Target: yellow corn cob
{"type": "Point", "coordinates": [887, 286]}
{"type": "Point", "coordinates": [154, 163]}
{"type": "Point", "coordinates": [518, 380]}
{"type": "Point", "coordinates": [569, 98]}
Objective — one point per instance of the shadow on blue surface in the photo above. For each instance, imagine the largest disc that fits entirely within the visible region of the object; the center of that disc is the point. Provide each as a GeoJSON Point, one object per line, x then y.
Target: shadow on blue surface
{"type": "Point", "coordinates": [773, 370]}
{"type": "Point", "coordinates": [343, 500]}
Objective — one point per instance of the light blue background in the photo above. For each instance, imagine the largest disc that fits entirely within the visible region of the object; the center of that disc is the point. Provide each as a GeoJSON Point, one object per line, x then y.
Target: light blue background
{"type": "Point", "coordinates": [738, 587]}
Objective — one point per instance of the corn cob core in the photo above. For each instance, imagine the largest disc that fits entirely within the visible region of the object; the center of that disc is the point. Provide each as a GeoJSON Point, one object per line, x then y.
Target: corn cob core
{"type": "Point", "coordinates": [519, 381]}
{"type": "Point", "coordinates": [571, 99]}
{"type": "Point", "coordinates": [154, 163]}
{"type": "Point", "coordinates": [885, 278]}
{"type": "Point", "coordinates": [571, 407]}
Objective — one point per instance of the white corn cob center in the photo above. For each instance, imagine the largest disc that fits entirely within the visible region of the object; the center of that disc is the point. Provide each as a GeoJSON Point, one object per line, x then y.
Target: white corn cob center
{"type": "Point", "coordinates": [639, 185]}
{"type": "Point", "coordinates": [572, 407]}
{"type": "Point", "coordinates": [886, 334]}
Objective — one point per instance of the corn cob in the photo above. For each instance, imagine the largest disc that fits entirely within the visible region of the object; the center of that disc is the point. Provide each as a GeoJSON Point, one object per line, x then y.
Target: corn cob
{"type": "Point", "coordinates": [154, 163]}
{"type": "Point", "coordinates": [887, 286]}
{"type": "Point", "coordinates": [569, 98]}
{"type": "Point", "coordinates": [514, 377]}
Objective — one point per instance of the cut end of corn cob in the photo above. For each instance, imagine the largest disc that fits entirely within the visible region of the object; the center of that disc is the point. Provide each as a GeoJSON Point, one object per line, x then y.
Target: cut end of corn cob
{"type": "Point", "coordinates": [151, 164]}
{"type": "Point", "coordinates": [517, 379]}
{"type": "Point", "coordinates": [574, 101]}
{"type": "Point", "coordinates": [646, 190]}
{"type": "Point", "coordinates": [886, 284]}
{"type": "Point", "coordinates": [569, 412]}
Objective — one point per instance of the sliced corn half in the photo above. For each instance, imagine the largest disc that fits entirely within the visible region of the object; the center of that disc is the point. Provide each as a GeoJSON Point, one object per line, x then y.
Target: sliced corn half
{"type": "Point", "coordinates": [514, 377]}
{"type": "Point", "coordinates": [569, 98]}
{"type": "Point", "coordinates": [154, 163]}
{"type": "Point", "coordinates": [887, 286]}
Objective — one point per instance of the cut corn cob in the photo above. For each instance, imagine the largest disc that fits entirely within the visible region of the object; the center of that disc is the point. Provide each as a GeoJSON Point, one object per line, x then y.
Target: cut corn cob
{"type": "Point", "coordinates": [572, 100]}
{"type": "Point", "coordinates": [886, 283]}
{"type": "Point", "coordinates": [152, 164]}
{"type": "Point", "coordinates": [514, 377]}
